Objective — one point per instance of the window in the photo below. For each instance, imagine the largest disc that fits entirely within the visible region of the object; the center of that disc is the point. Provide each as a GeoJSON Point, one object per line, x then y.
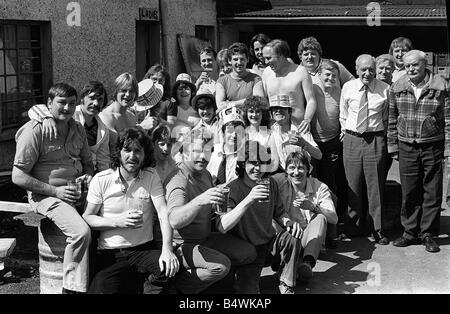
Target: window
{"type": "Point", "coordinates": [21, 71]}
{"type": "Point", "coordinates": [205, 33]}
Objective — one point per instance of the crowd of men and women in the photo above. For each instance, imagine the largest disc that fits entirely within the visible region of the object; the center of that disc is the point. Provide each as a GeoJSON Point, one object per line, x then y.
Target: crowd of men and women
{"type": "Point", "coordinates": [199, 186]}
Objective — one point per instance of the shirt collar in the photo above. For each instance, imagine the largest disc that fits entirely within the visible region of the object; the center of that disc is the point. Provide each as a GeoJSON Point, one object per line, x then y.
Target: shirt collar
{"type": "Point", "coordinates": [189, 172]}
{"type": "Point", "coordinates": [119, 180]}
{"type": "Point", "coordinates": [425, 80]}
{"type": "Point", "coordinates": [370, 86]}
{"type": "Point", "coordinates": [316, 70]}
{"type": "Point", "coordinates": [309, 189]}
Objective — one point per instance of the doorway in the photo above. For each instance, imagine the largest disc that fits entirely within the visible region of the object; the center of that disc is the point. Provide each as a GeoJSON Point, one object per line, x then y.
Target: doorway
{"type": "Point", "coordinates": [148, 46]}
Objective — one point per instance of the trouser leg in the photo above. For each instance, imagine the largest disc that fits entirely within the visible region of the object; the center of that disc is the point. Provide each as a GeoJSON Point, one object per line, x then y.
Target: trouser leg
{"type": "Point", "coordinates": [76, 253]}
{"type": "Point", "coordinates": [200, 267]}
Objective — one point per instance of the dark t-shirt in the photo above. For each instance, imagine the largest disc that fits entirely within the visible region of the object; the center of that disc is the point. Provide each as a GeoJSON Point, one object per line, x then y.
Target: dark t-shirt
{"type": "Point", "coordinates": [255, 225]}
{"type": "Point", "coordinates": [163, 109]}
{"type": "Point", "coordinates": [182, 188]}
{"type": "Point", "coordinates": [237, 89]}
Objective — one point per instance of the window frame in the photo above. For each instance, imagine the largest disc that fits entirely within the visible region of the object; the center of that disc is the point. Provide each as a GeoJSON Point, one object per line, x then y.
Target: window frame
{"type": "Point", "coordinates": [40, 80]}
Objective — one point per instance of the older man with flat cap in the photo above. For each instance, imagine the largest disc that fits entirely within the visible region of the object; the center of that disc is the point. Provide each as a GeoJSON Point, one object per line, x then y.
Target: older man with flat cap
{"type": "Point", "coordinates": [363, 117]}
{"type": "Point", "coordinates": [419, 137]}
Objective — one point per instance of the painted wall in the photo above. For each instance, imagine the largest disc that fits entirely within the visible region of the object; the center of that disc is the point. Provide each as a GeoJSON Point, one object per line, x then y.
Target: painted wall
{"type": "Point", "coordinates": [180, 17]}
{"type": "Point", "coordinates": [103, 46]}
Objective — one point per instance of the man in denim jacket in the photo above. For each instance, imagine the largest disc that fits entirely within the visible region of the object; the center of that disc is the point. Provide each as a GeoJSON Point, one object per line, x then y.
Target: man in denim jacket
{"type": "Point", "coordinates": [419, 124]}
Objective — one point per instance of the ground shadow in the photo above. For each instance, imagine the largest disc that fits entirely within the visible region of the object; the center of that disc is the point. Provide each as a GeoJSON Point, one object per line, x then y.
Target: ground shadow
{"type": "Point", "coordinates": [444, 235]}
{"type": "Point", "coordinates": [341, 278]}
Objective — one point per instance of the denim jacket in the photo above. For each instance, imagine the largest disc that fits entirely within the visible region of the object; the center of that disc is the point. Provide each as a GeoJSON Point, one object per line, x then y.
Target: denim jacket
{"type": "Point", "coordinates": [422, 120]}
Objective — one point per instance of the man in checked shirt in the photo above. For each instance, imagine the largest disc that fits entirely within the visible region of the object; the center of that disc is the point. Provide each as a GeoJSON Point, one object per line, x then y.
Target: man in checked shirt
{"type": "Point", "coordinates": [419, 137]}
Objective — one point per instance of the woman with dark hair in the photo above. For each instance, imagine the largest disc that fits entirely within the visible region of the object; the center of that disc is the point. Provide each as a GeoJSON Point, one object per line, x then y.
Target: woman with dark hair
{"type": "Point", "coordinates": [232, 89]}
{"type": "Point", "coordinates": [257, 44]}
{"type": "Point", "coordinates": [257, 118]}
{"type": "Point", "coordinates": [182, 93]}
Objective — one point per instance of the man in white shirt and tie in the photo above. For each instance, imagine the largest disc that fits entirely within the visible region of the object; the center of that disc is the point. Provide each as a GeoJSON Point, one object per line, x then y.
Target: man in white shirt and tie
{"type": "Point", "coordinates": [363, 117]}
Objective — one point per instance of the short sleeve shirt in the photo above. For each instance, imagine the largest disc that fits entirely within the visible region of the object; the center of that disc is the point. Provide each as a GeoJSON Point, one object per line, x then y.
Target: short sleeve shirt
{"type": "Point", "coordinates": [255, 226]}
{"type": "Point", "coordinates": [163, 109]}
{"type": "Point", "coordinates": [53, 161]}
{"type": "Point", "coordinates": [106, 189]}
{"type": "Point", "coordinates": [237, 89]}
{"type": "Point", "coordinates": [182, 188]}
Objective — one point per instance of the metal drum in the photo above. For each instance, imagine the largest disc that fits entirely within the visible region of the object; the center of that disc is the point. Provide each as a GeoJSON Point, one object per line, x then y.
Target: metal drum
{"type": "Point", "coordinates": [52, 243]}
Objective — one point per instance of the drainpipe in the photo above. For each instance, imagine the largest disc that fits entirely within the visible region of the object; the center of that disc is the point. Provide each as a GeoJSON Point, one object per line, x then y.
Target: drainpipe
{"type": "Point", "coordinates": [162, 35]}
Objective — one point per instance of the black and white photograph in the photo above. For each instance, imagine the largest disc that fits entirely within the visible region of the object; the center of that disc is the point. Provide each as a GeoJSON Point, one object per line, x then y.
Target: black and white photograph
{"type": "Point", "coordinates": [222, 153]}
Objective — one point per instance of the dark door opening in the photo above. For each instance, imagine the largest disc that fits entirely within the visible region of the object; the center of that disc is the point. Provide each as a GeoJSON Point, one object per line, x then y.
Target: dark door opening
{"type": "Point", "coordinates": [148, 46]}
{"type": "Point", "coordinates": [346, 42]}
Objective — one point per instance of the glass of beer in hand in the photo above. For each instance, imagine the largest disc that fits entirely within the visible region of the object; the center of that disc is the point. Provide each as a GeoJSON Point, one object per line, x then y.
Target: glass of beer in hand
{"type": "Point", "coordinates": [266, 183]}
{"type": "Point", "coordinates": [223, 208]}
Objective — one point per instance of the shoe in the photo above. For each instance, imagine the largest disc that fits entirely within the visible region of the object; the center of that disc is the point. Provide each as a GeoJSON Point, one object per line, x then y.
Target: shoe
{"type": "Point", "coordinates": [331, 243]}
{"type": "Point", "coordinates": [285, 289]}
{"type": "Point", "coordinates": [380, 238]}
{"type": "Point", "coordinates": [305, 272]}
{"type": "Point", "coordinates": [403, 242]}
{"type": "Point", "coordinates": [430, 245]}
{"type": "Point", "coordinates": [67, 291]}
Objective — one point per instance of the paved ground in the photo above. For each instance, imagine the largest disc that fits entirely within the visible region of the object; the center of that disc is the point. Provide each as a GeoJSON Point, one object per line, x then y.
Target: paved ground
{"type": "Point", "coordinates": [358, 266]}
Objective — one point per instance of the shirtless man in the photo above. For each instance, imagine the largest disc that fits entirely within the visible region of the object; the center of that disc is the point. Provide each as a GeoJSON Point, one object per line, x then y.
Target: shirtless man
{"type": "Point", "coordinates": [282, 77]}
{"type": "Point", "coordinates": [116, 116]}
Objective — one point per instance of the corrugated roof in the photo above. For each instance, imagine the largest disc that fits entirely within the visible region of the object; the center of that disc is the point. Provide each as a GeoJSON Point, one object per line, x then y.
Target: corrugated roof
{"type": "Point", "coordinates": [348, 11]}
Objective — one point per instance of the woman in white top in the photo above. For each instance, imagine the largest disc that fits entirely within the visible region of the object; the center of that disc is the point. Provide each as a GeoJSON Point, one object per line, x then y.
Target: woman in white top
{"type": "Point", "coordinates": [183, 91]}
{"type": "Point", "coordinates": [257, 118]}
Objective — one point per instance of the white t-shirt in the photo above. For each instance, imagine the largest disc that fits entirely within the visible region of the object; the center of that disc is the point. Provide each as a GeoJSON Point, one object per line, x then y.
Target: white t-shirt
{"type": "Point", "coordinates": [106, 189]}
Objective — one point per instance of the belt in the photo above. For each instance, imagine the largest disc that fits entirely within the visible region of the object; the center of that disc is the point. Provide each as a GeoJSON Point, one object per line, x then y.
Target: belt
{"type": "Point", "coordinates": [146, 245]}
{"type": "Point", "coordinates": [365, 134]}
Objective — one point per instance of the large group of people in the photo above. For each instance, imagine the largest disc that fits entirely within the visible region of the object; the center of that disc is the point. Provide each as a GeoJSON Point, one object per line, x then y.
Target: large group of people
{"type": "Point", "coordinates": [198, 186]}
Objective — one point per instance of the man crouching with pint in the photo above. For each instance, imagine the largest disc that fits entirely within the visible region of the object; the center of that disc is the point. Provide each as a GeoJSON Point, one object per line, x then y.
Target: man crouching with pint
{"type": "Point", "coordinates": [121, 205]}
{"type": "Point", "coordinates": [254, 202]}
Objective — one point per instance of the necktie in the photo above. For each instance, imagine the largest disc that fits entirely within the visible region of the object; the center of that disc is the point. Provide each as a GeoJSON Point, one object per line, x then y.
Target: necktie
{"type": "Point", "coordinates": [221, 174]}
{"type": "Point", "coordinates": [363, 113]}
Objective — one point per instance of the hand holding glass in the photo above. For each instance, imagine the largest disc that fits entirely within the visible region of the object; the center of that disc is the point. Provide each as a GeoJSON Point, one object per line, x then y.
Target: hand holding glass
{"type": "Point", "coordinates": [75, 185]}
{"type": "Point", "coordinates": [136, 206]}
{"type": "Point", "coordinates": [223, 208]}
{"type": "Point", "coordinates": [266, 183]}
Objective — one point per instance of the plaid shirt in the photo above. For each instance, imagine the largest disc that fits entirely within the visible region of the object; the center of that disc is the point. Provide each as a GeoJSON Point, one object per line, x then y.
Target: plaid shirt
{"type": "Point", "coordinates": [419, 121]}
